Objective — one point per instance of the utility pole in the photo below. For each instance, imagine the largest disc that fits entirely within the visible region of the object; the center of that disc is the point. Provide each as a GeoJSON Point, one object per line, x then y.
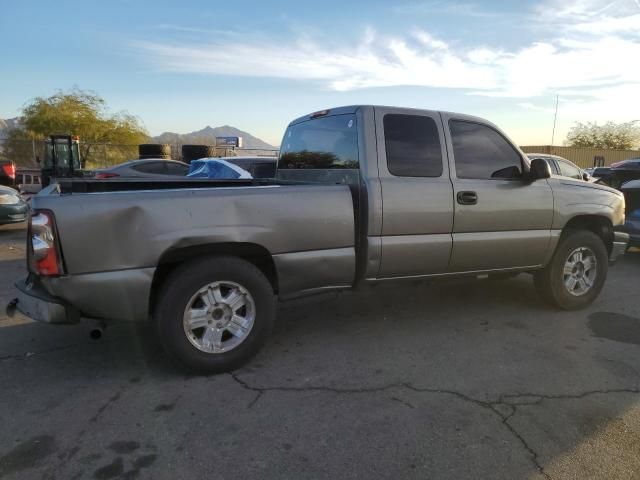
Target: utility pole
{"type": "Point", "coordinates": [555, 117]}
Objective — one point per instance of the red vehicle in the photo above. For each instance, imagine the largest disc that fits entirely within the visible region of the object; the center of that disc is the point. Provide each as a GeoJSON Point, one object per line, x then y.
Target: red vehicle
{"type": "Point", "coordinates": [7, 173]}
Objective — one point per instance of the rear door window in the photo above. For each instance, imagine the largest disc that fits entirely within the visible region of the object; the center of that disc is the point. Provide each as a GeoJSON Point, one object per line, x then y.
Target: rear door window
{"type": "Point", "coordinates": [480, 152]}
{"type": "Point", "coordinates": [413, 146]}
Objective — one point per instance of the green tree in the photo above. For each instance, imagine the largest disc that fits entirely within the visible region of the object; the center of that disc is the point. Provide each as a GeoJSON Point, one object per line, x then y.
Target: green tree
{"type": "Point", "coordinates": [622, 136]}
{"type": "Point", "coordinates": [82, 113]}
{"type": "Point", "coordinates": [19, 146]}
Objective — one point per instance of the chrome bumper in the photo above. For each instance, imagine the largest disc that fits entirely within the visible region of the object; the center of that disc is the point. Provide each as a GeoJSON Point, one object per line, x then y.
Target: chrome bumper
{"type": "Point", "coordinates": [36, 303]}
{"type": "Point", "coordinates": [619, 246]}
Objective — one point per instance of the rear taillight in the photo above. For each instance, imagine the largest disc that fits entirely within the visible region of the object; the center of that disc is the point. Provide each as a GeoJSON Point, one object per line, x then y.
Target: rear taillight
{"type": "Point", "coordinates": [9, 170]}
{"type": "Point", "coordinates": [101, 175]}
{"type": "Point", "coordinates": [45, 258]}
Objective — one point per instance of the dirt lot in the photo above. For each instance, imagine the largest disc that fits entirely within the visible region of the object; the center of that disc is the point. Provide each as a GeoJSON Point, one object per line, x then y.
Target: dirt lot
{"type": "Point", "coordinates": [463, 379]}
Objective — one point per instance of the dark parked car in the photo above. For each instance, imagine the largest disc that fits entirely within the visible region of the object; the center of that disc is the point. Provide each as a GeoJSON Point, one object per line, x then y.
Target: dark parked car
{"type": "Point", "coordinates": [7, 173]}
{"type": "Point", "coordinates": [602, 173]}
{"type": "Point", "coordinates": [625, 171]}
{"type": "Point", "coordinates": [631, 191]}
{"type": "Point", "coordinates": [13, 209]}
{"type": "Point", "coordinates": [562, 167]}
{"type": "Point", "coordinates": [150, 167]}
{"type": "Point", "coordinates": [629, 164]}
{"type": "Point", "coordinates": [258, 167]}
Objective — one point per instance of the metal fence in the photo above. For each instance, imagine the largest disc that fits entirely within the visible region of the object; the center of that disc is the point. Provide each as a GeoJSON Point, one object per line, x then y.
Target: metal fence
{"type": "Point", "coordinates": [101, 155]}
{"type": "Point", "coordinates": [584, 157]}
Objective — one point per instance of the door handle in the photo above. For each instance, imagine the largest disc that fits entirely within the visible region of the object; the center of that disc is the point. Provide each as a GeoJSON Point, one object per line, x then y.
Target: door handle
{"type": "Point", "coordinates": [467, 198]}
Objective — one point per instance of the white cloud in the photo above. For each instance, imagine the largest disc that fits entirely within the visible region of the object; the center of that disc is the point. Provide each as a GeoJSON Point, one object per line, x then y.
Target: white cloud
{"type": "Point", "coordinates": [587, 52]}
{"type": "Point", "coordinates": [593, 17]}
{"type": "Point", "coordinates": [419, 59]}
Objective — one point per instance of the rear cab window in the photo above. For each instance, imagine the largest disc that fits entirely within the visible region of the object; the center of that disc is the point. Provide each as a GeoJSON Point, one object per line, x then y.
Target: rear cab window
{"type": "Point", "coordinates": [326, 148]}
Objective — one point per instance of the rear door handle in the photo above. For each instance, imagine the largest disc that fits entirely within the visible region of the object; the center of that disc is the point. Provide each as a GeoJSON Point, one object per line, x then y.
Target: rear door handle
{"type": "Point", "coordinates": [467, 198]}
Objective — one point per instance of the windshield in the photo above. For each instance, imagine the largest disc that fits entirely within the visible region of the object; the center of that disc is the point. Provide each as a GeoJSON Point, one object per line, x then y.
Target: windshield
{"type": "Point", "coordinates": [322, 143]}
{"type": "Point", "coordinates": [64, 155]}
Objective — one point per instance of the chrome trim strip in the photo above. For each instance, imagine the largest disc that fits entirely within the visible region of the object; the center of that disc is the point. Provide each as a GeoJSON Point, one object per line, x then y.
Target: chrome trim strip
{"type": "Point", "coordinates": [618, 246]}
{"type": "Point", "coordinates": [463, 273]}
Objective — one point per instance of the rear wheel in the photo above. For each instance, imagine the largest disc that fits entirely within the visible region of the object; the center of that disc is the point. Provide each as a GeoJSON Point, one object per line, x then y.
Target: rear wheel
{"type": "Point", "coordinates": [576, 273]}
{"type": "Point", "coordinates": [214, 314]}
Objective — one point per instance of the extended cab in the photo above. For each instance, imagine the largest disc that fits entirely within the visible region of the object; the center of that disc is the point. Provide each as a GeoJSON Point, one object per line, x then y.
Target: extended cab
{"type": "Point", "coordinates": [361, 194]}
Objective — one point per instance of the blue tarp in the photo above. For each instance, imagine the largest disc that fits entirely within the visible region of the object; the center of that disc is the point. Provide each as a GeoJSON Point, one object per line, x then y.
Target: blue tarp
{"type": "Point", "coordinates": [216, 168]}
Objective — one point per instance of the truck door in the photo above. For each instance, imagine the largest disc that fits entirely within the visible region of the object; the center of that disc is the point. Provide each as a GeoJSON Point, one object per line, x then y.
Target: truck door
{"type": "Point", "coordinates": [417, 195]}
{"type": "Point", "coordinates": [501, 220]}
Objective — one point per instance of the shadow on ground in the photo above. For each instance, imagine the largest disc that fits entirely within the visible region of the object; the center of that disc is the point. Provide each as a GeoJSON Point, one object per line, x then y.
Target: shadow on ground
{"type": "Point", "coordinates": [446, 380]}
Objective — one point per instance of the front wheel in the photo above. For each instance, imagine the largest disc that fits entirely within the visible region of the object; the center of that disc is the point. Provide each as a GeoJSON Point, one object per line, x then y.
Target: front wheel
{"type": "Point", "coordinates": [576, 273]}
{"type": "Point", "coordinates": [214, 314]}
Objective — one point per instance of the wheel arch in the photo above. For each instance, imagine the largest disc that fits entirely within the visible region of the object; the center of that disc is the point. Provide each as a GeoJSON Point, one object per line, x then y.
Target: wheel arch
{"type": "Point", "coordinates": [251, 252]}
{"type": "Point", "coordinates": [598, 224]}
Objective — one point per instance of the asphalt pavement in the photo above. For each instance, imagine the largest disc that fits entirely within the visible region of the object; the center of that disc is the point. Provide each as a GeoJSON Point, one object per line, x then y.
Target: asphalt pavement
{"type": "Point", "coordinates": [444, 380]}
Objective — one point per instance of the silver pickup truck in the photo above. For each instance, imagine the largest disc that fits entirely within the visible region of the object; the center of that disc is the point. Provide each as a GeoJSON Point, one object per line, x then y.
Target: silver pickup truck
{"type": "Point", "coordinates": [362, 194]}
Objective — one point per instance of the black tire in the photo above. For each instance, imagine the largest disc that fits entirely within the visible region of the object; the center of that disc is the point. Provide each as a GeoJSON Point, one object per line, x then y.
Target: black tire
{"type": "Point", "coordinates": [550, 280]}
{"type": "Point", "coordinates": [176, 293]}
{"type": "Point", "coordinates": [195, 152]}
{"type": "Point", "coordinates": [153, 150]}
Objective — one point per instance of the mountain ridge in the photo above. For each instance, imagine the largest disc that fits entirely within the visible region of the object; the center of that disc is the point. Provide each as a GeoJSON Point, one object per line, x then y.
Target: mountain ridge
{"type": "Point", "coordinates": [208, 134]}
{"type": "Point", "coordinates": [7, 124]}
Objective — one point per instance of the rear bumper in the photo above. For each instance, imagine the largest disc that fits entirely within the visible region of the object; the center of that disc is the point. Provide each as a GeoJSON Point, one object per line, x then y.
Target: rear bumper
{"type": "Point", "coordinates": [34, 302]}
{"type": "Point", "coordinates": [13, 213]}
{"type": "Point", "coordinates": [619, 246]}
{"type": "Point", "coordinates": [632, 227]}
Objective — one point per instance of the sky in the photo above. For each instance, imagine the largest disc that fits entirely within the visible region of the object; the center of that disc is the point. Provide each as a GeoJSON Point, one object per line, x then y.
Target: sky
{"type": "Point", "coordinates": [182, 65]}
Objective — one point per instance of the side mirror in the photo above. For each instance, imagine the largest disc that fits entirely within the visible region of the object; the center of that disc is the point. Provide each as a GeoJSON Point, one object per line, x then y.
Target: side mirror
{"type": "Point", "coordinates": [585, 176]}
{"type": "Point", "coordinates": [539, 169]}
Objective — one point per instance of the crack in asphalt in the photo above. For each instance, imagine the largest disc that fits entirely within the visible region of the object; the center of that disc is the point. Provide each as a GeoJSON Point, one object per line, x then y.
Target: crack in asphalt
{"type": "Point", "coordinates": [511, 402]}
{"type": "Point", "coordinates": [112, 399]}
{"type": "Point", "coordinates": [24, 356]}
{"type": "Point", "coordinates": [535, 459]}
{"type": "Point", "coordinates": [538, 398]}
{"type": "Point", "coordinates": [115, 339]}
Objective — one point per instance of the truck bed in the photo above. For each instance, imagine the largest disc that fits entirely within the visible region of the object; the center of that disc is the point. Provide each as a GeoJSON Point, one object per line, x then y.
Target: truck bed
{"type": "Point", "coordinates": [105, 226]}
